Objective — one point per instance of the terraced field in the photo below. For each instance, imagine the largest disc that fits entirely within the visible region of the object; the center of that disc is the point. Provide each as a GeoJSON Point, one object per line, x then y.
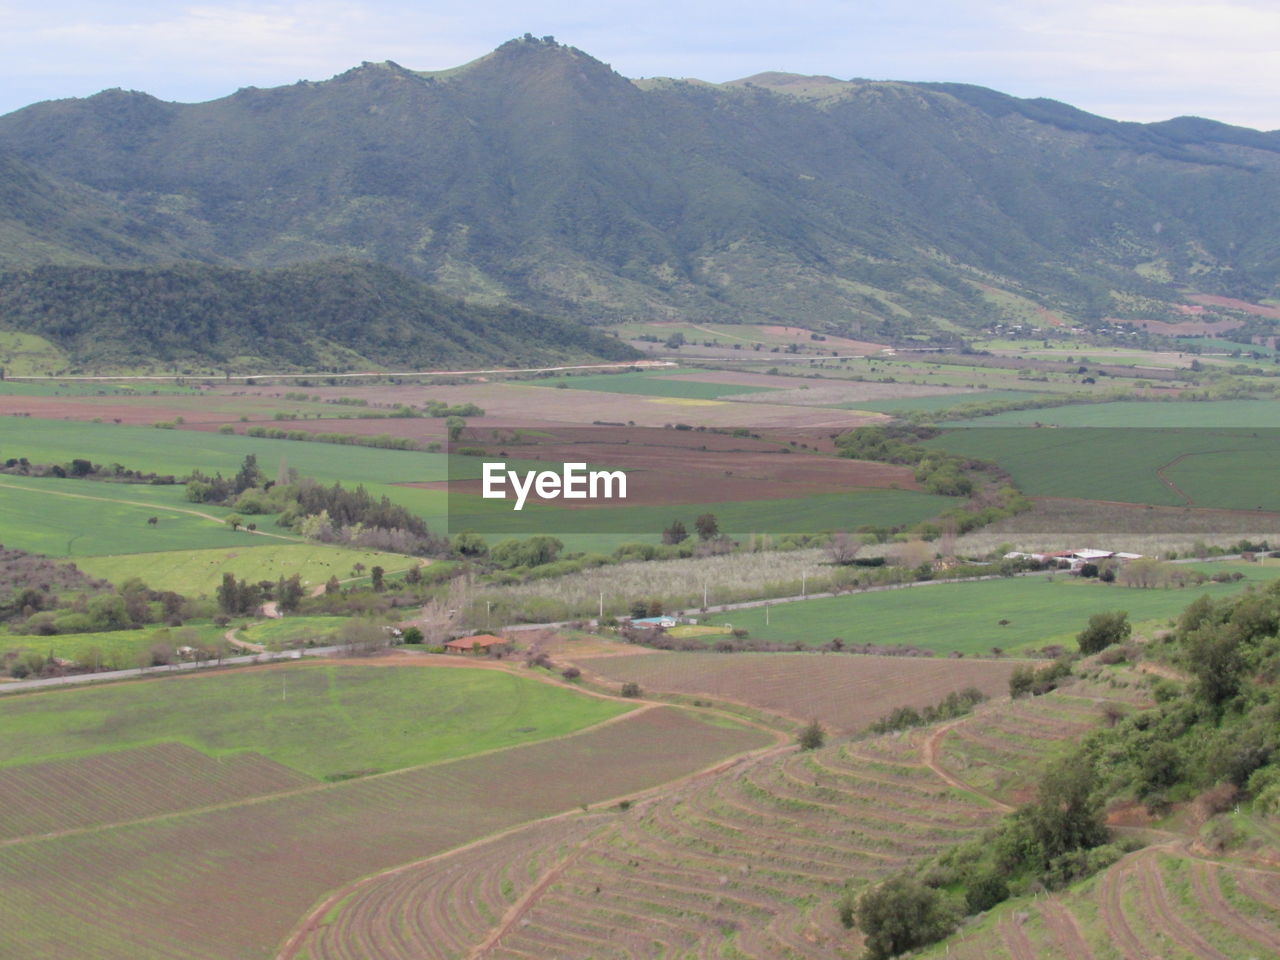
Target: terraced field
{"type": "Point", "coordinates": [148, 888]}
{"type": "Point", "coordinates": [749, 863]}
{"type": "Point", "coordinates": [1161, 903]}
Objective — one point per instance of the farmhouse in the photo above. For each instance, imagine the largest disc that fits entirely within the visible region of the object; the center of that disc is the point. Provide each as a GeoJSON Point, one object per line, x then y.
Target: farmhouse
{"type": "Point", "coordinates": [477, 644]}
{"type": "Point", "coordinates": [1073, 559]}
{"type": "Point", "coordinates": [653, 623]}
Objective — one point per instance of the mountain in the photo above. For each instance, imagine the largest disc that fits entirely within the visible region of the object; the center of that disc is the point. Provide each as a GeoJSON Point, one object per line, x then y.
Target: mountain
{"type": "Point", "coordinates": [332, 315]}
{"type": "Point", "coordinates": [538, 176]}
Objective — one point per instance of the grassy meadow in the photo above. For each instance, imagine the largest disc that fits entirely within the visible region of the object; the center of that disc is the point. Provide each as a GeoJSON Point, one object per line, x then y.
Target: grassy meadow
{"type": "Point", "coordinates": [196, 572]}
{"type": "Point", "coordinates": [321, 720]}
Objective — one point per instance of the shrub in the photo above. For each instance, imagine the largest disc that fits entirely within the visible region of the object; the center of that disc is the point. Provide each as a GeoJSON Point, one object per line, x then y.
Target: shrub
{"type": "Point", "coordinates": [631, 689]}
{"type": "Point", "coordinates": [1103, 630]}
{"type": "Point", "coordinates": [902, 914]}
{"type": "Point", "coordinates": [812, 736]}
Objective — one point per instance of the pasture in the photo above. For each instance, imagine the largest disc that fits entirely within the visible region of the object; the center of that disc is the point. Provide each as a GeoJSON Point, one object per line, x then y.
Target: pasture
{"type": "Point", "coordinates": [962, 617]}
{"type": "Point", "coordinates": [322, 720]}
{"type": "Point", "coordinates": [90, 522]}
{"type": "Point", "coordinates": [845, 693]}
{"type": "Point", "coordinates": [196, 572]}
{"type": "Point", "coordinates": [125, 892]}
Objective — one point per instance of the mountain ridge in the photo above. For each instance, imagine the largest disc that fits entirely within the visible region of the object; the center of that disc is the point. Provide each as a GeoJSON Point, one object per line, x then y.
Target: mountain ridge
{"type": "Point", "coordinates": [536, 175]}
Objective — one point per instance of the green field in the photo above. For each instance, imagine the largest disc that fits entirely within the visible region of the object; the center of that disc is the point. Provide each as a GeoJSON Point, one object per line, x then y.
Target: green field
{"type": "Point", "coordinates": [938, 402]}
{"type": "Point", "coordinates": [114, 649]}
{"type": "Point", "coordinates": [965, 617]}
{"type": "Point", "coordinates": [830, 511]}
{"type": "Point", "coordinates": [1210, 414]}
{"type": "Point", "coordinates": [279, 633]}
{"type": "Point", "coordinates": [650, 385]}
{"type": "Point", "coordinates": [1227, 469]}
{"type": "Point", "coordinates": [321, 720]}
{"type": "Point", "coordinates": [195, 572]}
{"type": "Point", "coordinates": [179, 452]}
{"type": "Point", "coordinates": [76, 526]}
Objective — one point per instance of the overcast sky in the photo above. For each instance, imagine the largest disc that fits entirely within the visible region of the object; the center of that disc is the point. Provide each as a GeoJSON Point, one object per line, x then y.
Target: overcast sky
{"type": "Point", "coordinates": [1127, 59]}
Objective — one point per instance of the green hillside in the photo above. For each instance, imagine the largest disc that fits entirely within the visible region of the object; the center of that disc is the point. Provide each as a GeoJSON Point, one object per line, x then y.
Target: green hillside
{"type": "Point", "coordinates": [334, 315]}
{"type": "Point", "coordinates": [538, 176]}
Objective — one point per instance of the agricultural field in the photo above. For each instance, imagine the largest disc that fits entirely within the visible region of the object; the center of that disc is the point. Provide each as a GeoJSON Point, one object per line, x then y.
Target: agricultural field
{"type": "Point", "coordinates": [749, 863]}
{"type": "Point", "coordinates": [1161, 901]}
{"type": "Point", "coordinates": [198, 572]}
{"type": "Point", "coordinates": [844, 692]}
{"type": "Point", "coordinates": [657, 384]}
{"type": "Point", "coordinates": [1219, 468]}
{"type": "Point", "coordinates": [1133, 414]}
{"type": "Point", "coordinates": [178, 452]}
{"type": "Point", "coordinates": [964, 618]}
{"type": "Point", "coordinates": [937, 403]}
{"type": "Point", "coordinates": [283, 854]}
{"type": "Point", "coordinates": [322, 720]}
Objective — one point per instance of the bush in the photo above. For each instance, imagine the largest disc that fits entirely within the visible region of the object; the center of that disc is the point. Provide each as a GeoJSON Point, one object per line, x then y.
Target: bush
{"type": "Point", "coordinates": [902, 914]}
{"type": "Point", "coordinates": [571, 673]}
{"type": "Point", "coordinates": [812, 736]}
{"type": "Point", "coordinates": [1103, 630]}
{"type": "Point", "coordinates": [631, 689]}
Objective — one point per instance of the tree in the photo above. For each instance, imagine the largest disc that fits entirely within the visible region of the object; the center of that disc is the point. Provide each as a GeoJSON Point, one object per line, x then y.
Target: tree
{"type": "Point", "coordinates": [249, 475]}
{"type": "Point", "coordinates": [676, 533]}
{"type": "Point", "coordinates": [455, 426]}
{"type": "Point", "coordinates": [376, 576]}
{"type": "Point", "coordinates": [842, 548]}
{"type": "Point", "coordinates": [411, 635]}
{"type": "Point", "coordinates": [235, 521]}
{"type": "Point", "coordinates": [812, 736]}
{"type": "Point", "coordinates": [1103, 630]}
{"type": "Point", "coordinates": [289, 593]}
{"type": "Point", "coordinates": [1066, 815]}
{"type": "Point", "coordinates": [707, 526]}
{"type": "Point", "coordinates": [902, 914]}
{"type": "Point", "coordinates": [675, 341]}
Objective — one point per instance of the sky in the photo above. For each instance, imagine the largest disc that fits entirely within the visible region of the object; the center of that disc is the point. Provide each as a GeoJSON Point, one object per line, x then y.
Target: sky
{"type": "Point", "coordinates": [1126, 59]}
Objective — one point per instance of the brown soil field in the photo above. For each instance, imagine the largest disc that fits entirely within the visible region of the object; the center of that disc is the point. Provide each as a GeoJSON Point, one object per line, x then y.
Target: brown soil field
{"type": "Point", "coordinates": [663, 468]}
{"type": "Point", "coordinates": [1053, 515]}
{"type": "Point", "coordinates": [844, 692]}
{"type": "Point", "coordinates": [522, 405]}
{"type": "Point", "coordinates": [59, 795]}
{"type": "Point", "coordinates": [142, 890]}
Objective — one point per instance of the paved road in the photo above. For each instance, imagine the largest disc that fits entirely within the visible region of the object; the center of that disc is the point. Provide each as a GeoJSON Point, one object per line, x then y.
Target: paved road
{"type": "Point", "coordinates": [187, 665]}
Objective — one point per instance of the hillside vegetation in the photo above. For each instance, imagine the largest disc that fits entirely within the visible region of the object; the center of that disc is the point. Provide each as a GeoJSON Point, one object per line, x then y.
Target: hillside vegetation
{"type": "Point", "coordinates": [334, 315]}
{"type": "Point", "coordinates": [537, 175]}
